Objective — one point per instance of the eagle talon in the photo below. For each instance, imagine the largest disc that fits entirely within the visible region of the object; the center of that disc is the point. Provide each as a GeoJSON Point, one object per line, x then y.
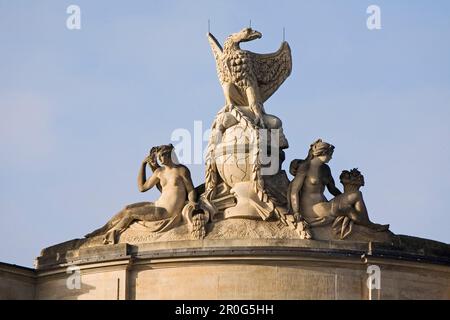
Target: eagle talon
{"type": "Point", "coordinates": [257, 111]}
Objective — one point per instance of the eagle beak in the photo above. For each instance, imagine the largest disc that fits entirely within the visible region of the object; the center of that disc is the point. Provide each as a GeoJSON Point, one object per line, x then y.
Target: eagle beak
{"type": "Point", "coordinates": [247, 34]}
{"type": "Point", "coordinates": [255, 35]}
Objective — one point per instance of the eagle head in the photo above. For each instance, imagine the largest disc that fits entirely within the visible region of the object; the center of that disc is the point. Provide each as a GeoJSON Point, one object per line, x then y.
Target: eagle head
{"type": "Point", "coordinates": [246, 34]}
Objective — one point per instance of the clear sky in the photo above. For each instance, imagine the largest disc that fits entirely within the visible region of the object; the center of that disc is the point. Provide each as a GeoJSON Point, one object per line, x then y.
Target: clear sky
{"type": "Point", "coordinates": [79, 109]}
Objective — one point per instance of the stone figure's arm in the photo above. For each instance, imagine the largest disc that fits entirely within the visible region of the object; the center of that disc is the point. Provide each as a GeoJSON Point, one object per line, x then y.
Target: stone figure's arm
{"type": "Point", "coordinates": [331, 186]}
{"type": "Point", "coordinates": [296, 187]}
{"type": "Point", "coordinates": [151, 160]}
{"type": "Point", "coordinates": [143, 183]}
{"type": "Point", "coordinates": [189, 185]}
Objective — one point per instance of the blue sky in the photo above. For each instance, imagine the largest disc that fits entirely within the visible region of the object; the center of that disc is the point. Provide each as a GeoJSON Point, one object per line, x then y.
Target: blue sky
{"type": "Point", "coordinates": [80, 109]}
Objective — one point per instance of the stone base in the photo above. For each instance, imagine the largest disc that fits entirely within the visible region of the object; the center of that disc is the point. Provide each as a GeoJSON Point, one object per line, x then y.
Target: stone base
{"type": "Point", "coordinates": [248, 204]}
{"type": "Point", "coordinates": [230, 229]}
{"type": "Point", "coordinates": [239, 259]}
{"type": "Point", "coordinates": [411, 268]}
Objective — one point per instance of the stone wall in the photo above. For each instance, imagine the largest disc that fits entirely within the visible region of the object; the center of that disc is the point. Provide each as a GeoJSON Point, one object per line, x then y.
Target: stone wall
{"type": "Point", "coordinates": [16, 282]}
{"type": "Point", "coordinates": [247, 269]}
{"type": "Point", "coordinates": [235, 269]}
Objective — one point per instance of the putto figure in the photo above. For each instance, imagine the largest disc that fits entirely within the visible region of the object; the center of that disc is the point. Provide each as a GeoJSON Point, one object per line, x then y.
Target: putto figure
{"type": "Point", "coordinates": [177, 191]}
{"type": "Point", "coordinates": [307, 199]}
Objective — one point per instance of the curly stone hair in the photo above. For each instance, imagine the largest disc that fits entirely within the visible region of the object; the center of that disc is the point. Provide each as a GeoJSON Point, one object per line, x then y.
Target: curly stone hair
{"type": "Point", "coordinates": [353, 176]}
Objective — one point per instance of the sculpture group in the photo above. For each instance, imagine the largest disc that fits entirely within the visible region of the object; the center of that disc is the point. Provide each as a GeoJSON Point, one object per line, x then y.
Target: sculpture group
{"type": "Point", "coordinates": [243, 176]}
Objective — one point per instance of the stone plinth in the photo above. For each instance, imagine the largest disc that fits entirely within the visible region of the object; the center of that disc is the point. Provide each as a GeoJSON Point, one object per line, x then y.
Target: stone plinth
{"type": "Point", "coordinates": [411, 268]}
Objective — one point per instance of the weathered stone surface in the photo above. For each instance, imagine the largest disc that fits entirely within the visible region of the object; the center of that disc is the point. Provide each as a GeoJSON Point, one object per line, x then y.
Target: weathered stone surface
{"type": "Point", "coordinates": [229, 229]}
{"type": "Point", "coordinates": [411, 268]}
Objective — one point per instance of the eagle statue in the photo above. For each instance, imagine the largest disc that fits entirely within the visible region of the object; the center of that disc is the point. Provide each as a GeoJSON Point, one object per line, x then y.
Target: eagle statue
{"type": "Point", "coordinates": [248, 78]}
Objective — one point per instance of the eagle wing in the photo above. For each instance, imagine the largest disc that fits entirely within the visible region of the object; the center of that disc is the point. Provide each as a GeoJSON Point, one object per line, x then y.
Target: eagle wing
{"type": "Point", "coordinates": [221, 66]}
{"type": "Point", "coordinates": [272, 69]}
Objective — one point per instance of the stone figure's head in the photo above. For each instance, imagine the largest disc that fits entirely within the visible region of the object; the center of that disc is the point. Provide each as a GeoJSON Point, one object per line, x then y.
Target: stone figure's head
{"type": "Point", "coordinates": [318, 150]}
{"type": "Point", "coordinates": [246, 34]}
{"type": "Point", "coordinates": [321, 150]}
{"type": "Point", "coordinates": [352, 179]}
{"type": "Point", "coordinates": [164, 153]}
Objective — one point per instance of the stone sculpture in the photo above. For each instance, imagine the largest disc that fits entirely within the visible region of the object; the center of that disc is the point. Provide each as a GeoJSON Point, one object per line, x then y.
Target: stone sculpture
{"type": "Point", "coordinates": [177, 195]}
{"type": "Point", "coordinates": [248, 79]}
{"type": "Point", "coordinates": [307, 198]}
{"type": "Point", "coordinates": [244, 180]}
{"type": "Point", "coordinates": [243, 133]}
{"type": "Point", "coordinates": [260, 235]}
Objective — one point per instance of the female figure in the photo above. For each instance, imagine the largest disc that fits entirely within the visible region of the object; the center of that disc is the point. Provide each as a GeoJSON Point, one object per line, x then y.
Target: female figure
{"type": "Point", "coordinates": [306, 192]}
{"type": "Point", "coordinates": [173, 181]}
